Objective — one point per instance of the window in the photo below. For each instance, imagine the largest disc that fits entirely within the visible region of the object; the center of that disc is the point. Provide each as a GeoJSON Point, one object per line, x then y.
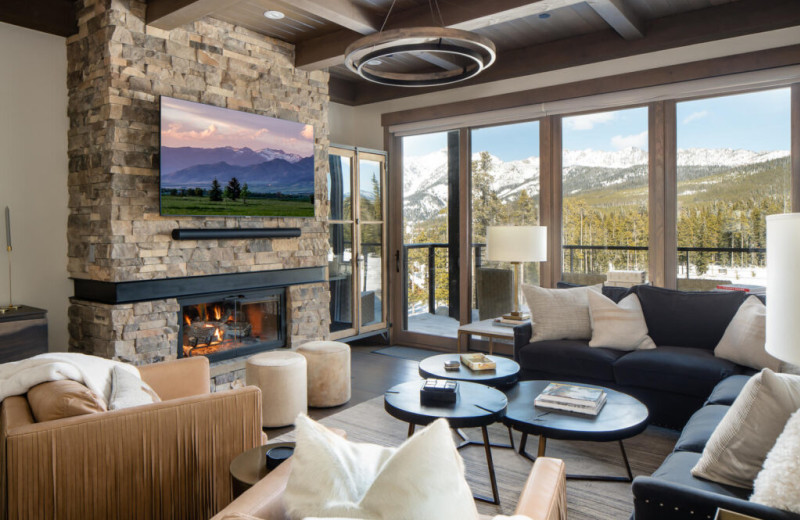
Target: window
{"type": "Point", "coordinates": [505, 191]}
{"type": "Point", "coordinates": [733, 171]}
{"type": "Point", "coordinates": [605, 195]}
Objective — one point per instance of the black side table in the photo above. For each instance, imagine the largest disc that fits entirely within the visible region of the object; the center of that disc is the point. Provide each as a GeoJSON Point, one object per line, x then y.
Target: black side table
{"type": "Point", "coordinates": [477, 406]}
{"type": "Point", "coordinates": [251, 466]}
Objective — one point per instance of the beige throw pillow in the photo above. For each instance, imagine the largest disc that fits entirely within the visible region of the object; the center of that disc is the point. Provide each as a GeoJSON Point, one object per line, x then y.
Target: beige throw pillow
{"type": "Point", "coordinates": [332, 477]}
{"type": "Point", "coordinates": [743, 341]}
{"type": "Point", "coordinates": [736, 450]}
{"type": "Point", "coordinates": [620, 325]}
{"type": "Point", "coordinates": [776, 484]}
{"type": "Point", "coordinates": [559, 313]}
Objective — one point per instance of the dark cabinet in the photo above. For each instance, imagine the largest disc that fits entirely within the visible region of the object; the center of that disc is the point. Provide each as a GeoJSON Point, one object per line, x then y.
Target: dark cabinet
{"type": "Point", "coordinates": [23, 333]}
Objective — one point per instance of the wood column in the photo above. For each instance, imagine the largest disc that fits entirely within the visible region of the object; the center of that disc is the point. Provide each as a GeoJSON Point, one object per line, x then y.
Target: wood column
{"type": "Point", "coordinates": [550, 197]}
{"type": "Point", "coordinates": [663, 201]}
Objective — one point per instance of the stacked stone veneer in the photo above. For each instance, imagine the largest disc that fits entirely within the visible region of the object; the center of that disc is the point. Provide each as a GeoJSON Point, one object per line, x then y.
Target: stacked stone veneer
{"type": "Point", "coordinates": [117, 70]}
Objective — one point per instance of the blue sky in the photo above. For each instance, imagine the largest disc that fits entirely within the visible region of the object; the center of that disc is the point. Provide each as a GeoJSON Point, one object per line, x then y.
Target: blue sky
{"type": "Point", "coordinates": [756, 121]}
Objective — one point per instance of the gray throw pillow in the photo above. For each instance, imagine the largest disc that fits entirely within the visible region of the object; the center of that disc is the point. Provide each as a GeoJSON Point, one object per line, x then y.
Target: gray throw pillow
{"type": "Point", "coordinates": [128, 391]}
{"type": "Point", "coordinates": [559, 313]}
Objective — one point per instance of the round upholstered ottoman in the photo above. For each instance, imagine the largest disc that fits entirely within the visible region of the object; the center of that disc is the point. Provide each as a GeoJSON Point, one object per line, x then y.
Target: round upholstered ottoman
{"type": "Point", "coordinates": [281, 376]}
{"type": "Point", "coordinates": [328, 372]}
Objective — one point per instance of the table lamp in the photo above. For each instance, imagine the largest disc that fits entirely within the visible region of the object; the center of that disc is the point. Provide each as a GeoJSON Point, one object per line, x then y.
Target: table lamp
{"type": "Point", "coordinates": [783, 287]}
{"type": "Point", "coordinates": [516, 244]}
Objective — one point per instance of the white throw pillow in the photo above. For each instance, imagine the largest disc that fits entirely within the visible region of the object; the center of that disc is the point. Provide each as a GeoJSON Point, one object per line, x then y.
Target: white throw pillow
{"type": "Point", "coordinates": [332, 477]}
{"type": "Point", "coordinates": [735, 452]}
{"type": "Point", "coordinates": [743, 341]}
{"type": "Point", "coordinates": [559, 313]}
{"type": "Point", "coordinates": [620, 325]}
{"type": "Point", "coordinates": [128, 391]}
{"type": "Point", "coordinates": [776, 484]}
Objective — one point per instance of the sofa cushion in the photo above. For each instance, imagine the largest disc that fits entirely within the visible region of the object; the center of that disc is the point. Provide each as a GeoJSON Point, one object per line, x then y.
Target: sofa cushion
{"type": "Point", "coordinates": [681, 370]}
{"type": "Point", "coordinates": [743, 341]}
{"type": "Point", "coordinates": [570, 358]}
{"type": "Point", "coordinates": [736, 450]}
{"type": "Point", "coordinates": [677, 469]}
{"type": "Point", "coordinates": [687, 319]}
{"type": "Point", "coordinates": [128, 391]}
{"type": "Point", "coordinates": [701, 425]}
{"type": "Point", "coordinates": [59, 399]}
{"type": "Point", "coordinates": [727, 390]}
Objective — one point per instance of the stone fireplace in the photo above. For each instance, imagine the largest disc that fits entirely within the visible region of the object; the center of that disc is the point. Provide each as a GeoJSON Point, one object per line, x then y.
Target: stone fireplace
{"type": "Point", "coordinates": [122, 254]}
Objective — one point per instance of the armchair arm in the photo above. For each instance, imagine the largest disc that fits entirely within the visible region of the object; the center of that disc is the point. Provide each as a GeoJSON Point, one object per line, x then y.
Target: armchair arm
{"type": "Point", "coordinates": [522, 336]}
{"type": "Point", "coordinates": [656, 499]}
{"type": "Point", "coordinates": [165, 460]}
{"type": "Point", "coordinates": [544, 496]}
{"type": "Point", "coordinates": [180, 378]}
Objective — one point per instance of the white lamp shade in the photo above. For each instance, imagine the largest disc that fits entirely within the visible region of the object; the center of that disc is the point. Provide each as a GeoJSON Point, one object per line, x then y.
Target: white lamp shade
{"type": "Point", "coordinates": [783, 287]}
{"type": "Point", "coordinates": [516, 243]}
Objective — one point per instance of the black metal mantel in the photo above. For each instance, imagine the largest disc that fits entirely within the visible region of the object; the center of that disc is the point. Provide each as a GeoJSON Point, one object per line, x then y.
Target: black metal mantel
{"type": "Point", "coordinates": [147, 290]}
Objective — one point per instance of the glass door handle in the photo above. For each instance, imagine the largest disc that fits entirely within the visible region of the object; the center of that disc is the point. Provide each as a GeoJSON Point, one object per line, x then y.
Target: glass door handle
{"type": "Point", "coordinates": [397, 260]}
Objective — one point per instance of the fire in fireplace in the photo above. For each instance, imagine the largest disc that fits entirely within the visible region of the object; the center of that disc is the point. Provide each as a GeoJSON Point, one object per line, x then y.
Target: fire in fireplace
{"type": "Point", "coordinates": [225, 326]}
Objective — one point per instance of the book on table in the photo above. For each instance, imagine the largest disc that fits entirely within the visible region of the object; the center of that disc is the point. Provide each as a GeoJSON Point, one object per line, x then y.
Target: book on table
{"type": "Point", "coordinates": [478, 362]}
{"type": "Point", "coordinates": [583, 409]}
{"type": "Point", "coordinates": [571, 398]}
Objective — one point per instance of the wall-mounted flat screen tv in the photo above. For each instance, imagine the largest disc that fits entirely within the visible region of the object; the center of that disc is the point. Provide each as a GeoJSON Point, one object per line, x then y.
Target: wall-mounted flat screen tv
{"type": "Point", "coordinates": [217, 161]}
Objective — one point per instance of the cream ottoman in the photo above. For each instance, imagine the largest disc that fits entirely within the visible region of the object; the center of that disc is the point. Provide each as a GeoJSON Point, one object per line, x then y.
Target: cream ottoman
{"type": "Point", "coordinates": [328, 372]}
{"type": "Point", "coordinates": [281, 376]}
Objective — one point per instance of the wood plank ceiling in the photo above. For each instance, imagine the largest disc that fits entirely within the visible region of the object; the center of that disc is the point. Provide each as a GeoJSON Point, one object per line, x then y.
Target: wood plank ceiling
{"type": "Point", "coordinates": [531, 36]}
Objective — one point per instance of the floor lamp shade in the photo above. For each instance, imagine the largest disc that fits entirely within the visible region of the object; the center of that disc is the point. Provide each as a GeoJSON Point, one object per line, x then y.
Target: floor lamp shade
{"type": "Point", "coordinates": [516, 243]}
{"type": "Point", "coordinates": [783, 287]}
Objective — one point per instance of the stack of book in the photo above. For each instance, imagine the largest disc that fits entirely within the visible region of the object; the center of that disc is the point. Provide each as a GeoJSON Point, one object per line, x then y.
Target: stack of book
{"type": "Point", "coordinates": [505, 322]}
{"type": "Point", "coordinates": [571, 398]}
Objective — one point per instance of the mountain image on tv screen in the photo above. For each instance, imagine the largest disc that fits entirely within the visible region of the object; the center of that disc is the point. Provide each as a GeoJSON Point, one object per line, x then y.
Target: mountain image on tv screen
{"type": "Point", "coordinates": [217, 161]}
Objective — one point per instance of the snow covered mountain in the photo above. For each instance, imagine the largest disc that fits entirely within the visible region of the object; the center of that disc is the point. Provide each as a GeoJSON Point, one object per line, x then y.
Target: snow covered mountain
{"type": "Point", "coordinates": [425, 177]}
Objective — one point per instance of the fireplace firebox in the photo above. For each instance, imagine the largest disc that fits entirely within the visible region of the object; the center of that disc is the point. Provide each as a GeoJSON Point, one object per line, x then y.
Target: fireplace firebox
{"type": "Point", "coordinates": [222, 326]}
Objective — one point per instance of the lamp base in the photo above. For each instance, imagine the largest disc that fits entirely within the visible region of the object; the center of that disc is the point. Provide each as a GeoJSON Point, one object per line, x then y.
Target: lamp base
{"type": "Point", "coordinates": [10, 308]}
{"type": "Point", "coordinates": [518, 316]}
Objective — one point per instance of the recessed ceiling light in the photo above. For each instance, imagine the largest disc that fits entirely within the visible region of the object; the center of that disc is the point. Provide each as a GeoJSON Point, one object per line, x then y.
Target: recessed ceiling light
{"type": "Point", "coordinates": [544, 16]}
{"type": "Point", "coordinates": [374, 63]}
{"type": "Point", "coordinates": [274, 15]}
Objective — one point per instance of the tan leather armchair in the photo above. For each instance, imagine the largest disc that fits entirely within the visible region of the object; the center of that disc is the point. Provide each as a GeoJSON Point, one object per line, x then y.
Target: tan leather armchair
{"type": "Point", "coordinates": [544, 496]}
{"type": "Point", "coordinates": [165, 460]}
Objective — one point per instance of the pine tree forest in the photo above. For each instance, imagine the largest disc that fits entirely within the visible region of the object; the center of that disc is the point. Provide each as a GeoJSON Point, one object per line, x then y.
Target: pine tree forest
{"type": "Point", "coordinates": [722, 209]}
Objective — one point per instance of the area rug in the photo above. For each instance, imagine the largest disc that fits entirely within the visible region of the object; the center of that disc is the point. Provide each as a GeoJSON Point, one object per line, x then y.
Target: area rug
{"type": "Point", "coordinates": [368, 422]}
{"type": "Point", "coordinates": [414, 354]}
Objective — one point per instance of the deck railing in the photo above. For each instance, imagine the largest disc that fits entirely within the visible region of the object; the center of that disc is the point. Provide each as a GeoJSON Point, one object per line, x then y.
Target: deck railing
{"type": "Point", "coordinates": [569, 250]}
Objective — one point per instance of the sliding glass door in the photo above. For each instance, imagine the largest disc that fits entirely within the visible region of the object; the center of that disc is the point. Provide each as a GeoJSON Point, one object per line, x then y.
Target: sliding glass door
{"type": "Point", "coordinates": [428, 256]}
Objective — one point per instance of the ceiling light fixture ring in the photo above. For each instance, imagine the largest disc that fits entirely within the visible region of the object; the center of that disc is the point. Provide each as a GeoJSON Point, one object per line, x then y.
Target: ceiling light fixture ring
{"type": "Point", "coordinates": [473, 53]}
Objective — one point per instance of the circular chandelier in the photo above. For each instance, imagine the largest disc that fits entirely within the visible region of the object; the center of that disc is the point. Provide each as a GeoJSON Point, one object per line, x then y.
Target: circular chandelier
{"type": "Point", "coordinates": [420, 56]}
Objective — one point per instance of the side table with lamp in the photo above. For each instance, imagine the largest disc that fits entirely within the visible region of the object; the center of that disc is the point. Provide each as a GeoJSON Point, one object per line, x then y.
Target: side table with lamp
{"type": "Point", "coordinates": [23, 329]}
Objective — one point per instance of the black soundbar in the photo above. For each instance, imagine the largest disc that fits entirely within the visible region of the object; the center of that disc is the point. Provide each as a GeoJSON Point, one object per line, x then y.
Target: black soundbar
{"type": "Point", "coordinates": [210, 234]}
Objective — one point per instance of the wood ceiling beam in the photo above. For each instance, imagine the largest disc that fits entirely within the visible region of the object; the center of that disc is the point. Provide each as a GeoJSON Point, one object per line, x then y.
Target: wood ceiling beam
{"type": "Point", "coordinates": [741, 63]}
{"type": "Point", "coordinates": [170, 14]}
{"type": "Point", "coordinates": [619, 15]}
{"type": "Point", "coordinates": [348, 14]}
{"type": "Point", "coordinates": [469, 15]}
{"type": "Point", "coordinates": [50, 16]}
{"type": "Point", "coordinates": [714, 23]}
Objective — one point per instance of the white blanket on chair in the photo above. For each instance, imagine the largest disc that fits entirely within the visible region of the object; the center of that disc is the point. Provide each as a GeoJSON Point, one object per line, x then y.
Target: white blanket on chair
{"type": "Point", "coordinates": [17, 377]}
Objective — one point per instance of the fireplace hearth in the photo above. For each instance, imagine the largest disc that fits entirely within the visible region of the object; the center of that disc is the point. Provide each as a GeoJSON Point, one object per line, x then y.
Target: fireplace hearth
{"type": "Point", "coordinates": [222, 326]}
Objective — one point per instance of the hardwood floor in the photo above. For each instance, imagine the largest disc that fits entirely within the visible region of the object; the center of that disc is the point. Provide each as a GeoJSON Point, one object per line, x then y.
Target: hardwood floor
{"type": "Point", "coordinates": [372, 374]}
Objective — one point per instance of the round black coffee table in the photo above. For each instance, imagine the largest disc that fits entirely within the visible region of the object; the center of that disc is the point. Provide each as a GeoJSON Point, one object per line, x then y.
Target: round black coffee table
{"type": "Point", "coordinates": [504, 375]}
{"type": "Point", "coordinates": [622, 417]}
{"type": "Point", "coordinates": [477, 406]}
